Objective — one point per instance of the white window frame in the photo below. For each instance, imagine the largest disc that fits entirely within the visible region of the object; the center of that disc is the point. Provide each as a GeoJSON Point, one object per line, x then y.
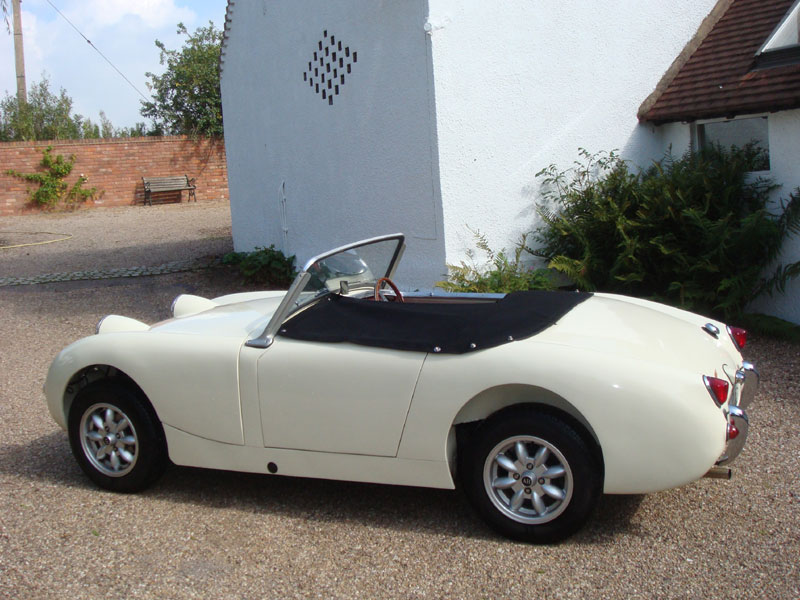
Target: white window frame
{"type": "Point", "coordinates": [695, 134]}
{"type": "Point", "coordinates": [795, 8]}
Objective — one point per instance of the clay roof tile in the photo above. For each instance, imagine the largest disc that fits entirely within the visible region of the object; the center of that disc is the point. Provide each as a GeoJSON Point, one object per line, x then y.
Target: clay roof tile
{"type": "Point", "coordinates": [719, 80]}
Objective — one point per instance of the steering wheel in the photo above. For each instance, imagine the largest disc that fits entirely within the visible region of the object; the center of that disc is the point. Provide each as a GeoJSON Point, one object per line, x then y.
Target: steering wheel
{"type": "Point", "coordinates": [379, 285]}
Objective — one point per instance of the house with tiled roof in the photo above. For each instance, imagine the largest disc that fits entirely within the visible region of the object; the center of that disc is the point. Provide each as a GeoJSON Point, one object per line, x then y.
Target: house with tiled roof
{"type": "Point", "coordinates": [346, 119]}
{"type": "Point", "coordinates": [739, 81]}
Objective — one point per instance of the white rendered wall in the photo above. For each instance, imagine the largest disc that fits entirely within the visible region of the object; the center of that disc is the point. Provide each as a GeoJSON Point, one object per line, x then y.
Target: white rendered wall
{"type": "Point", "coordinates": [363, 166]}
{"type": "Point", "coordinates": [521, 84]}
{"type": "Point", "coordinates": [784, 156]}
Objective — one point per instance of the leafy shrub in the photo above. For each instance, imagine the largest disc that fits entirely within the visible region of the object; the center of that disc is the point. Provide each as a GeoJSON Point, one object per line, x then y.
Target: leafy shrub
{"type": "Point", "coordinates": [52, 187]}
{"type": "Point", "coordinates": [695, 231]}
{"type": "Point", "coordinates": [266, 266]}
{"type": "Point", "coordinates": [500, 273]}
{"type": "Point", "coordinates": [770, 326]}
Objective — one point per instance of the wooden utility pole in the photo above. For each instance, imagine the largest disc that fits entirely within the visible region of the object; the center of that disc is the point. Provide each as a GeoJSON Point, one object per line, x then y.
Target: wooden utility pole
{"type": "Point", "coordinates": [22, 94]}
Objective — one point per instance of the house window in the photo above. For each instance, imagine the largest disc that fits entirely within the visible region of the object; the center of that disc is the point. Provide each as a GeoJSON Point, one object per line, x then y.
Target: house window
{"type": "Point", "coordinates": [737, 132]}
{"type": "Point", "coordinates": [783, 45]}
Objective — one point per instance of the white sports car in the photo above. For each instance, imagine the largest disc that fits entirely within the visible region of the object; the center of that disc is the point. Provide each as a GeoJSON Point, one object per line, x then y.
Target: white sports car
{"type": "Point", "coordinates": [536, 402]}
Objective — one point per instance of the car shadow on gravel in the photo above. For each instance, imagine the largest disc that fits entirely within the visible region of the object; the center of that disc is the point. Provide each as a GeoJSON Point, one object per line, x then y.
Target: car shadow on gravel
{"type": "Point", "coordinates": [47, 458]}
{"type": "Point", "coordinates": [387, 506]}
{"type": "Point", "coordinates": [402, 508]}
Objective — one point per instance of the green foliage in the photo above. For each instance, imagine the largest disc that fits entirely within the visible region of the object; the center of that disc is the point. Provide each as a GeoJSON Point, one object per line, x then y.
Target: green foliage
{"type": "Point", "coordinates": [695, 231]}
{"type": "Point", "coordinates": [500, 273]}
{"type": "Point", "coordinates": [52, 187]}
{"type": "Point", "coordinates": [46, 116]}
{"type": "Point", "coordinates": [186, 97]}
{"type": "Point", "coordinates": [139, 129]}
{"type": "Point", "coordinates": [266, 266]}
{"type": "Point", "coordinates": [769, 326]}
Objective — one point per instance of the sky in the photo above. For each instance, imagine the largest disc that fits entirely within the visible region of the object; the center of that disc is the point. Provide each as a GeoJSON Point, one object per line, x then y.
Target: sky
{"type": "Point", "coordinates": [123, 30]}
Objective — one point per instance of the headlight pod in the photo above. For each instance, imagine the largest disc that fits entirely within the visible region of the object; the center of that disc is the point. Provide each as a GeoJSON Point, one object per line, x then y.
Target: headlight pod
{"type": "Point", "coordinates": [187, 304]}
{"type": "Point", "coordinates": [117, 323]}
{"type": "Point", "coordinates": [99, 325]}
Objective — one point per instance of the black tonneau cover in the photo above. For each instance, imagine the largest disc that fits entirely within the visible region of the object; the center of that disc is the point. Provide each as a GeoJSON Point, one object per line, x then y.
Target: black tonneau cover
{"type": "Point", "coordinates": [431, 327]}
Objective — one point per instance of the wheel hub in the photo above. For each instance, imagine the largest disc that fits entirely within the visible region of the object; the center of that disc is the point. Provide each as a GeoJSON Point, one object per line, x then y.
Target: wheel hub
{"type": "Point", "coordinates": [528, 479]}
{"type": "Point", "coordinates": [109, 440]}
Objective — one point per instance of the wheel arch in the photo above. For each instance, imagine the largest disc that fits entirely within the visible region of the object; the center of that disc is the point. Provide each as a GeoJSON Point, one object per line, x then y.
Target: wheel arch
{"type": "Point", "coordinates": [103, 372]}
{"type": "Point", "coordinates": [503, 401]}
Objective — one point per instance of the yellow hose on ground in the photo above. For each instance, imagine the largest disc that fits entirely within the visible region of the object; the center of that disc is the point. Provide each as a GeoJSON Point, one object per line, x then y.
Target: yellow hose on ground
{"type": "Point", "coordinates": [68, 236]}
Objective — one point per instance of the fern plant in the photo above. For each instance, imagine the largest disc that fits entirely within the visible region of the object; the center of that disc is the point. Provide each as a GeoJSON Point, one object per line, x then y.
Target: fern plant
{"type": "Point", "coordinates": [500, 272]}
{"type": "Point", "coordinates": [695, 231]}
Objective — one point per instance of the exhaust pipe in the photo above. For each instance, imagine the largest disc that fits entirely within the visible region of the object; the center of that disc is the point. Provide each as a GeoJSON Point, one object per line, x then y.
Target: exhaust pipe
{"type": "Point", "coordinates": [719, 473]}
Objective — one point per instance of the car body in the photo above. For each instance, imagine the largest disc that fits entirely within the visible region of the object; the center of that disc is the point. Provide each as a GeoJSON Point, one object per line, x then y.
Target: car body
{"type": "Point", "coordinates": [537, 402]}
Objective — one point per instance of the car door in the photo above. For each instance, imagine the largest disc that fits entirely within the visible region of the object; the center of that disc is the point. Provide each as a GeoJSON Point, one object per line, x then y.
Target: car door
{"type": "Point", "coordinates": [335, 397]}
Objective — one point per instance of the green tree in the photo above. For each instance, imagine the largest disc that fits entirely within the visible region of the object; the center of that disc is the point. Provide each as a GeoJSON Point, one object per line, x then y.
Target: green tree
{"type": "Point", "coordinates": [45, 116]}
{"type": "Point", "coordinates": [139, 129]}
{"type": "Point", "coordinates": [186, 97]}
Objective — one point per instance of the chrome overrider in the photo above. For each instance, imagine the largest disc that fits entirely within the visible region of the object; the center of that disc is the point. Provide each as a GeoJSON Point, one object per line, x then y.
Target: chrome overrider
{"type": "Point", "coordinates": [745, 385]}
{"type": "Point", "coordinates": [744, 390]}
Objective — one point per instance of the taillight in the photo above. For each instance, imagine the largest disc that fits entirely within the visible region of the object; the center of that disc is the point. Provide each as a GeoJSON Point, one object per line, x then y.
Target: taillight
{"type": "Point", "coordinates": [718, 388]}
{"type": "Point", "coordinates": [738, 335]}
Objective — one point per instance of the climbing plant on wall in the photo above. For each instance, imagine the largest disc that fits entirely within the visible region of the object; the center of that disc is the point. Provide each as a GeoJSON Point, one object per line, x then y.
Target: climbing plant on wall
{"type": "Point", "coordinates": [52, 187]}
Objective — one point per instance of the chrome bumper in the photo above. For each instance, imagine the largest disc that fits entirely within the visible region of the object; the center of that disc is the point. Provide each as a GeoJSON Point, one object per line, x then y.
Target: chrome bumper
{"type": "Point", "coordinates": [744, 390]}
{"type": "Point", "coordinates": [745, 385]}
{"type": "Point", "coordinates": [737, 435]}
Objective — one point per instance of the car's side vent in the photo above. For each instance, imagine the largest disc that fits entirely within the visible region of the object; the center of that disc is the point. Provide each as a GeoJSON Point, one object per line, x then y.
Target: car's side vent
{"type": "Point", "coordinates": [330, 67]}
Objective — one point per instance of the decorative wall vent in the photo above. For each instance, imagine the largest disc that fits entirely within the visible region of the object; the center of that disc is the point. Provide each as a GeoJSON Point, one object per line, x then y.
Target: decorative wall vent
{"type": "Point", "coordinates": [330, 67]}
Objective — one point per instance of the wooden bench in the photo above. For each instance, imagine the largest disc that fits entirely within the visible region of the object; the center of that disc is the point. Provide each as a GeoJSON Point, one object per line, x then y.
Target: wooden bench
{"type": "Point", "coordinates": [167, 184]}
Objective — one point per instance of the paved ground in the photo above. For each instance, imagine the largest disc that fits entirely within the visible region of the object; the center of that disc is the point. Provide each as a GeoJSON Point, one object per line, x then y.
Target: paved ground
{"type": "Point", "coordinates": [113, 238]}
{"type": "Point", "coordinates": [210, 534]}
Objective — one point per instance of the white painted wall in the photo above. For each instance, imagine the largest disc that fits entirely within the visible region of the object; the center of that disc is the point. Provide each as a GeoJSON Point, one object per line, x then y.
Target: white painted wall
{"type": "Point", "coordinates": [432, 133]}
{"type": "Point", "coordinates": [361, 167]}
{"type": "Point", "coordinates": [521, 84]}
{"type": "Point", "coordinates": [784, 153]}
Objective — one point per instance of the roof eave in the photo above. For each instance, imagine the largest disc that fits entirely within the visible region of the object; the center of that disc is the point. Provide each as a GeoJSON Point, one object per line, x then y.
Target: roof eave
{"type": "Point", "coordinates": [720, 113]}
{"type": "Point", "coordinates": [702, 32]}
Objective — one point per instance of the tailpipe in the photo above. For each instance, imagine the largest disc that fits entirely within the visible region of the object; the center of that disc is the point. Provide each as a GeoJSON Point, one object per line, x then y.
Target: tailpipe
{"type": "Point", "coordinates": [719, 473]}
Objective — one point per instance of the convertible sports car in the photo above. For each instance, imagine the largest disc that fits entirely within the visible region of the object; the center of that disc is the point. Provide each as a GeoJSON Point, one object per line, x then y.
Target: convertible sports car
{"type": "Point", "coordinates": [536, 402]}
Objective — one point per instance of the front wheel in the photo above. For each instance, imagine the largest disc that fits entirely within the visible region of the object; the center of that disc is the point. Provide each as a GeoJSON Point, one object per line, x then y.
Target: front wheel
{"type": "Point", "coordinates": [116, 440]}
{"type": "Point", "coordinates": [531, 476]}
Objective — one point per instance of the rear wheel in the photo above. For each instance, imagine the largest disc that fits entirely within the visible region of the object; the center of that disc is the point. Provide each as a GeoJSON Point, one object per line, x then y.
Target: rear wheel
{"type": "Point", "coordinates": [115, 438]}
{"type": "Point", "coordinates": [531, 476]}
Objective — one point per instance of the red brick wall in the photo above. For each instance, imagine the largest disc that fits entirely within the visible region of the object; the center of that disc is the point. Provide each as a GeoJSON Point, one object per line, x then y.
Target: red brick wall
{"type": "Point", "coordinates": [116, 167]}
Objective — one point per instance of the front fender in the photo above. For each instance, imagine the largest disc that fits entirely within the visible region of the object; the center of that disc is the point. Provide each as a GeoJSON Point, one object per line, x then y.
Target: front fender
{"type": "Point", "coordinates": [191, 380]}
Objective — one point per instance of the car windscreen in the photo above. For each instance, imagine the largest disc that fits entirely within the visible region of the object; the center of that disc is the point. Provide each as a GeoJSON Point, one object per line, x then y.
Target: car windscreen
{"type": "Point", "coordinates": [349, 271]}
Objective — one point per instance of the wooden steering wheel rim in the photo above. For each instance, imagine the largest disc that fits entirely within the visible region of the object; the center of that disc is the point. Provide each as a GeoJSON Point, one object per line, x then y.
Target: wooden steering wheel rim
{"type": "Point", "coordinates": [379, 284]}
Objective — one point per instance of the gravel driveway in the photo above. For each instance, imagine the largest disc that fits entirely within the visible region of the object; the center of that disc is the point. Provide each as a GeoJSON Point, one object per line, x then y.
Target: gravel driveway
{"type": "Point", "coordinates": [209, 534]}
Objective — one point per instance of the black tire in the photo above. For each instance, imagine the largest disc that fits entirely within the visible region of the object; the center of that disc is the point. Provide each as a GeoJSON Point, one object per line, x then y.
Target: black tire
{"type": "Point", "coordinates": [521, 502]}
{"type": "Point", "coordinates": [116, 438]}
